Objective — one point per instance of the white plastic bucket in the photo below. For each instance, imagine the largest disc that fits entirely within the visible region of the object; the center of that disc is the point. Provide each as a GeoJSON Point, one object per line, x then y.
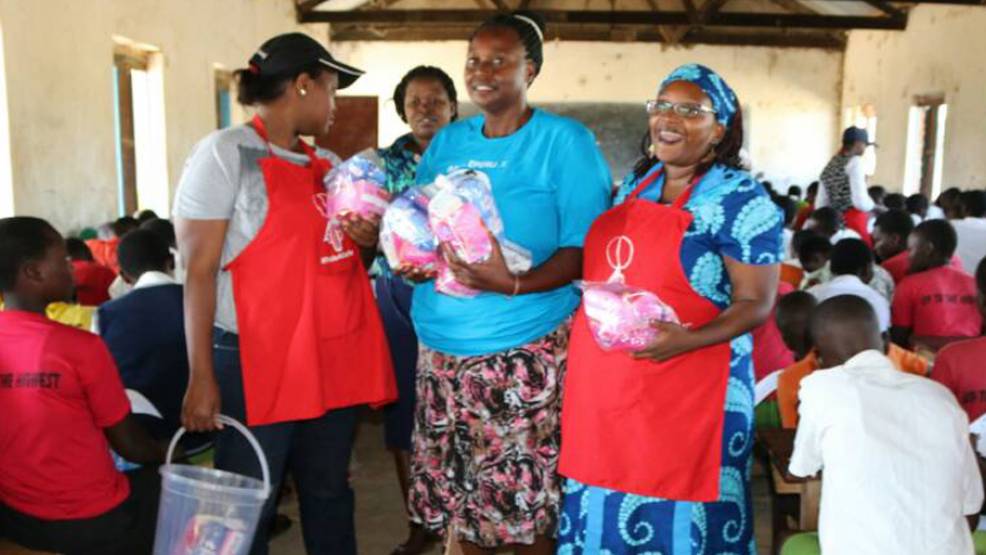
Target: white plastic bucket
{"type": "Point", "coordinates": [204, 511]}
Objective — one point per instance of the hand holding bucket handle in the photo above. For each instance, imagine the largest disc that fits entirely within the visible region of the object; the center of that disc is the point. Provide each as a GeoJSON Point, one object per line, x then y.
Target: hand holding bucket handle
{"type": "Point", "coordinates": [222, 418]}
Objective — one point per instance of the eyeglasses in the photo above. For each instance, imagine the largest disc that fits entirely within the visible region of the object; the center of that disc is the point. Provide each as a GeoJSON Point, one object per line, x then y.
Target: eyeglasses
{"type": "Point", "coordinates": [684, 109]}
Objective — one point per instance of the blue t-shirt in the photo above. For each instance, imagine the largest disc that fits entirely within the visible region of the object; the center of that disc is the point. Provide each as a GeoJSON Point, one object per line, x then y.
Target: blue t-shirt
{"type": "Point", "coordinates": [550, 182]}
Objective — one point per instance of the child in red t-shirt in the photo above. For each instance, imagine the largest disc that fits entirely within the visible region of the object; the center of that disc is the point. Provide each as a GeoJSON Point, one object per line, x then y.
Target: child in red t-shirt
{"type": "Point", "coordinates": [92, 280]}
{"type": "Point", "coordinates": [63, 408]}
{"type": "Point", "coordinates": [959, 366]}
{"type": "Point", "coordinates": [936, 303]}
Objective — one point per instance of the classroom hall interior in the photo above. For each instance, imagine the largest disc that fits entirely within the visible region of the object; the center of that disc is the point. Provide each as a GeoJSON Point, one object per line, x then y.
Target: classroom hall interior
{"type": "Point", "coordinates": [101, 102]}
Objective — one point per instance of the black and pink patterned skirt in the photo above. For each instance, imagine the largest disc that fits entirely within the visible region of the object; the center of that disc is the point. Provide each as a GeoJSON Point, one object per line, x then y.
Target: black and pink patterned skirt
{"type": "Point", "coordinates": [486, 442]}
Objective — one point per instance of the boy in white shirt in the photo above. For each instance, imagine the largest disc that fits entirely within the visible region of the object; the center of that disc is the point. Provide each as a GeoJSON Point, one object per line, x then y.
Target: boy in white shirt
{"type": "Point", "coordinates": [899, 470]}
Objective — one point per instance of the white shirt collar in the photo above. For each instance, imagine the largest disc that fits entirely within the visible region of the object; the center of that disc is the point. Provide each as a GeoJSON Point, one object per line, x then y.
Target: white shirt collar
{"type": "Point", "coordinates": [153, 279]}
{"type": "Point", "coordinates": [847, 279]}
{"type": "Point", "coordinates": [873, 361]}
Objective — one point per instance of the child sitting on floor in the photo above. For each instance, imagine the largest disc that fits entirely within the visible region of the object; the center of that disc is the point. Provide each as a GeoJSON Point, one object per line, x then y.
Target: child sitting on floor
{"type": "Point", "coordinates": [936, 303]}
{"type": "Point", "coordinates": [960, 366]}
{"type": "Point", "coordinates": [793, 314]}
{"type": "Point", "coordinates": [63, 407]}
{"type": "Point", "coordinates": [899, 472]}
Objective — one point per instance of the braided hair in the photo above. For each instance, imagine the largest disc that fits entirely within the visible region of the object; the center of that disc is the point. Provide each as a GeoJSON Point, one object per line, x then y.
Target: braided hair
{"type": "Point", "coordinates": [529, 27]}
{"type": "Point", "coordinates": [425, 72]}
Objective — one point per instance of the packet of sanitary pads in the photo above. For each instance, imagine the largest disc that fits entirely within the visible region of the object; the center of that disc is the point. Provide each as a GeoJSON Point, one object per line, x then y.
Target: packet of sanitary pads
{"type": "Point", "coordinates": [620, 315]}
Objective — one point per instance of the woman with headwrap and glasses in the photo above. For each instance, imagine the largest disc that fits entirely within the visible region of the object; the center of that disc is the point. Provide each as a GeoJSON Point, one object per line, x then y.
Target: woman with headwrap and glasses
{"type": "Point", "coordinates": [656, 443]}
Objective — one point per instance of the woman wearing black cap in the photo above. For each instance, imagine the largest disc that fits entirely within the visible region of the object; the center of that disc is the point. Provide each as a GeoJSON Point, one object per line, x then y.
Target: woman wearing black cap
{"type": "Point", "coordinates": [486, 435]}
{"type": "Point", "coordinates": [281, 326]}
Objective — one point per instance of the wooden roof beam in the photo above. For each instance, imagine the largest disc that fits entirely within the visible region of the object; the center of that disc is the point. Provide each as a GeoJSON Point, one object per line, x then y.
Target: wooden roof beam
{"type": "Point", "coordinates": [594, 34]}
{"type": "Point", "coordinates": [589, 17]}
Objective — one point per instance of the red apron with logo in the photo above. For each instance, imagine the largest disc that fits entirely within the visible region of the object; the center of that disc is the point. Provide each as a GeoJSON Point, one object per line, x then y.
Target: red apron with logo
{"type": "Point", "coordinates": [311, 339]}
{"type": "Point", "coordinates": [640, 426]}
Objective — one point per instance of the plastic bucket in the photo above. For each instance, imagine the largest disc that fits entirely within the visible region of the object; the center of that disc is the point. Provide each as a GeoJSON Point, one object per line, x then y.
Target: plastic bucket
{"type": "Point", "coordinates": [204, 511]}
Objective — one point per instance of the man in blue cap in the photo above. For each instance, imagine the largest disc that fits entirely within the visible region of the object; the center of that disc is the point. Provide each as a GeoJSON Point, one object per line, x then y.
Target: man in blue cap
{"type": "Point", "coordinates": [843, 183]}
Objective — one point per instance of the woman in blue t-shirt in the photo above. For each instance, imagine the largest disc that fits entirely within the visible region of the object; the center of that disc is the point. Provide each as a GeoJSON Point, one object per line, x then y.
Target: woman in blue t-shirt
{"type": "Point", "coordinates": [425, 99]}
{"type": "Point", "coordinates": [486, 438]}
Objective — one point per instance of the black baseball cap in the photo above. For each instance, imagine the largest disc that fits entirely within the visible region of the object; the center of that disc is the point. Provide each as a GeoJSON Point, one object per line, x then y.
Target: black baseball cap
{"type": "Point", "coordinates": [853, 134]}
{"type": "Point", "coordinates": [290, 52]}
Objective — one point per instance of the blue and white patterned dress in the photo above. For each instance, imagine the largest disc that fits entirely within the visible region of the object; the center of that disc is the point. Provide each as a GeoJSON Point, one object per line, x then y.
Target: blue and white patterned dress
{"type": "Point", "coordinates": [733, 216]}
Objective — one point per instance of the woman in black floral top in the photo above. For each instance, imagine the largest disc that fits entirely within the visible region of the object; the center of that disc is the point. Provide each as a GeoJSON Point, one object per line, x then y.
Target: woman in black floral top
{"type": "Point", "coordinates": [425, 99]}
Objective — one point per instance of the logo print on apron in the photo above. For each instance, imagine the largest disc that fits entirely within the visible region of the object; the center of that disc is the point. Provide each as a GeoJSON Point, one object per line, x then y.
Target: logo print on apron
{"type": "Point", "coordinates": [619, 256]}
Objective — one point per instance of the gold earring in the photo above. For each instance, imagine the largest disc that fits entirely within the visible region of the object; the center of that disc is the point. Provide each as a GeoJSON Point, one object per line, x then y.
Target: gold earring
{"type": "Point", "coordinates": [652, 150]}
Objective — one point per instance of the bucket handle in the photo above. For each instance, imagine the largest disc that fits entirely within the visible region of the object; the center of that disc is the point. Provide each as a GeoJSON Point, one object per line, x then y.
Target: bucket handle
{"type": "Point", "coordinates": [264, 469]}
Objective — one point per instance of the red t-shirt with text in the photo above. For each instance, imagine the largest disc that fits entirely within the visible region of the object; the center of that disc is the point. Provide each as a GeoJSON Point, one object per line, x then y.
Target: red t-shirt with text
{"type": "Point", "coordinates": [940, 302]}
{"type": "Point", "coordinates": [960, 367]}
{"type": "Point", "coordinates": [59, 388]}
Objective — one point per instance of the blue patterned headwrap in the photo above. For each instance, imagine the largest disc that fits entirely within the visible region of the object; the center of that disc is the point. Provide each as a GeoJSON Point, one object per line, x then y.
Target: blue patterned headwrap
{"type": "Point", "coordinates": [724, 100]}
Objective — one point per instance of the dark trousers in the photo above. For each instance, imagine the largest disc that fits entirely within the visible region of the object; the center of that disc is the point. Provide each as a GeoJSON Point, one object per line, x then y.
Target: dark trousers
{"type": "Point", "coordinates": [127, 529]}
{"type": "Point", "coordinates": [394, 301]}
{"type": "Point", "coordinates": [316, 452]}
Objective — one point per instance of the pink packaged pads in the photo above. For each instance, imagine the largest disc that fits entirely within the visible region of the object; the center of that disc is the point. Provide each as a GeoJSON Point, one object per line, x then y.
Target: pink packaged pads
{"type": "Point", "coordinates": [357, 186]}
{"type": "Point", "coordinates": [620, 316]}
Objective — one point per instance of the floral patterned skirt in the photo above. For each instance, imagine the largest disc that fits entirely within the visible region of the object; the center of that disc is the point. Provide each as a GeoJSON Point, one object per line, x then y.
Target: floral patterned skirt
{"type": "Point", "coordinates": [486, 442]}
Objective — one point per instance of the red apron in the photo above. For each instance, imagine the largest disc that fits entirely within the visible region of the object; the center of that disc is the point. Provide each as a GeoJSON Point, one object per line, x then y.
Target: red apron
{"type": "Point", "coordinates": [858, 221]}
{"type": "Point", "coordinates": [635, 426]}
{"type": "Point", "coordinates": [311, 339]}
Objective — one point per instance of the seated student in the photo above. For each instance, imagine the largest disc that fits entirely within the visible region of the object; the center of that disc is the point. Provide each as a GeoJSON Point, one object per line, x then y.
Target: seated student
{"type": "Point", "coordinates": [792, 315]}
{"type": "Point", "coordinates": [806, 207]}
{"type": "Point", "coordinates": [960, 366]}
{"type": "Point", "coordinates": [63, 407]}
{"type": "Point", "coordinates": [877, 193]}
{"type": "Point", "coordinates": [947, 206]}
{"type": "Point", "coordinates": [769, 351]}
{"type": "Point", "coordinates": [826, 222]}
{"type": "Point", "coordinates": [917, 207]}
{"type": "Point", "coordinates": [104, 248]}
{"type": "Point", "coordinates": [971, 229]}
{"type": "Point", "coordinates": [900, 474]}
{"type": "Point", "coordinates": [145, 329]}
{"type": "Point", "coordinates": [896, 201]}
{"type": "Point", "coordinates": [92, 280]}
{"type": "Point", "coordinates": [165, 230]}
{"type": "Point", "coordinates": [791, 270]}
{"type": "Point", "coordinates": [790, 210]}
{"type": "Point", "coordinates": [935, 304]}
{"type": "Point", "coordinates": [851, 264]}
{"type": "Point", "coordinates": [813, 253]}
{"type": "Point", "coordinates": [145, 215]}
{"type": "Point", "coordinates": [890, 235]}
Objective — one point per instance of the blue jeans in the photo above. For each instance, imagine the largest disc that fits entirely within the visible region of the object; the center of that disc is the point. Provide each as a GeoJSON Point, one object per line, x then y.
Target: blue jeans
{"type": "Point", "coordinates": [316, 452]}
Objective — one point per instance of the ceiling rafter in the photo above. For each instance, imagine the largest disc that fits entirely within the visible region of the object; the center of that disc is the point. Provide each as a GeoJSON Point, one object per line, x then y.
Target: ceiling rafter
{"type": "Point", "coordinates": [304, 6]}
{"type": "Point", "coordinates": [885, 7]}
{"type": "Point", "coordinates": [625, 17]}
